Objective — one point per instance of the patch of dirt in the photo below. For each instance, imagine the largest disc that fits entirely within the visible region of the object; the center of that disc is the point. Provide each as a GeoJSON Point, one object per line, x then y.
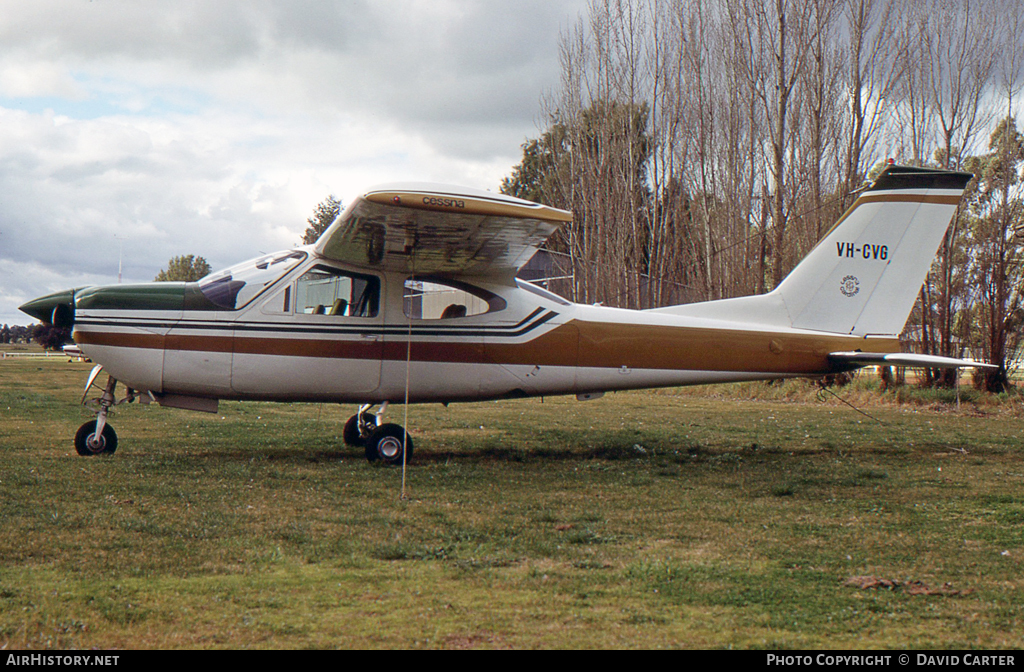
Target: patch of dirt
{"type": "Point", "coordinates": [474, 641]}
{"type": "Point", "coordinates": [912, 587]}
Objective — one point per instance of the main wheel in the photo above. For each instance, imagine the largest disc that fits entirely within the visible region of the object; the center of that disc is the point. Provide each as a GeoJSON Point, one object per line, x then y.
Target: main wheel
{"type": "Point", "coordinates": [385, 444]}
{"type": "Point", "coordinates": [87, 443]}
{"type": "Point", "coordinates": [352, 434]}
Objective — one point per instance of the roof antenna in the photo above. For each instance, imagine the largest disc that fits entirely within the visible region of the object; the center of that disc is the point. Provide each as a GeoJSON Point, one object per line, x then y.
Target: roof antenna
{"type": "Point", "coordinates": [120, 254]}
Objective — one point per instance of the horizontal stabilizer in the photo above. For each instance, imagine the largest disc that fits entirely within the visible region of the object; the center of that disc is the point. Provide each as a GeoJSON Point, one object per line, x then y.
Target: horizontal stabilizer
{"type": "Point", "coordinates": [905, 359]}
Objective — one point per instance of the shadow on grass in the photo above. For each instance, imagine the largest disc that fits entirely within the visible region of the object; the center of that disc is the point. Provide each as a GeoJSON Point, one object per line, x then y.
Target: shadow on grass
{"type": "Point", "coordinates": [568, 454]}
{"type": "Point", "coordinates": [467, 452]}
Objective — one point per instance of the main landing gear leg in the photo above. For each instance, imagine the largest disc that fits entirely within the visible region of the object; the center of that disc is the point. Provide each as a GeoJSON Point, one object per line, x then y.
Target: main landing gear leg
{"type": "Point", "coordinates": [96, 437]}
{"type": "Point", "coordinates": [382, 441]}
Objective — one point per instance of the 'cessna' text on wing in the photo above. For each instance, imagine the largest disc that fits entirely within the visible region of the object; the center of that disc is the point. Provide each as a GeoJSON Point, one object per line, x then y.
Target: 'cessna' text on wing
{"type": "Point", "coordinates": [444, 202]}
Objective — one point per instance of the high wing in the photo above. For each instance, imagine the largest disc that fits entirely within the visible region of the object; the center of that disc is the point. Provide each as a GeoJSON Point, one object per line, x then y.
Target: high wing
{"type": "Point", "coordinates": [429, 228]}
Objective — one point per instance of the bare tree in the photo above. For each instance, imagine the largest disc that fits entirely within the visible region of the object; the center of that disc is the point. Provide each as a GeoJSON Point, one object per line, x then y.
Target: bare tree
{"type": "Point", "coordinates": [874, 64]}
{"type": "Point", "coordinates": [819, 127]}
{"type": "Point", "coordinates": [957, 72]}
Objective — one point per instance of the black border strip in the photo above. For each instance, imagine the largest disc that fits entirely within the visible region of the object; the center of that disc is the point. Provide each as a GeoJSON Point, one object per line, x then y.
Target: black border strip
{"type": "Point", "coordinates": [512, 331]}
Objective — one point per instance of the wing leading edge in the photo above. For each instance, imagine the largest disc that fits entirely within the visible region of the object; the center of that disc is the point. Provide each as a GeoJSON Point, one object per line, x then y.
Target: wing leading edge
{"type": "Point", "coordinates": [426, 228]}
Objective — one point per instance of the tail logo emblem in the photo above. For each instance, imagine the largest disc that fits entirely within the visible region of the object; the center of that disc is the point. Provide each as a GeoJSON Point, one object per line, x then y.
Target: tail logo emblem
{"type": "Point", "coordinates": [850, 286]}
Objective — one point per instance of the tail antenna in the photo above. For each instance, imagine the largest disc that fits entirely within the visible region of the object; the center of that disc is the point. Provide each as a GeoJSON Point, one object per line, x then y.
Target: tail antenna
{"type": "Point", "coordinates": [823, 388]}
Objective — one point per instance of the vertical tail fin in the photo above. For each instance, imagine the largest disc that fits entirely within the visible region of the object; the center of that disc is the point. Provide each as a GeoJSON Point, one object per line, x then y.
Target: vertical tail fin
{"type": "Point", "coordinates": [864, 276]}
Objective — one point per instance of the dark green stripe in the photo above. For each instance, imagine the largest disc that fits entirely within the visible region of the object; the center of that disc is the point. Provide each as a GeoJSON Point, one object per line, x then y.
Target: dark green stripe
{"type": "Point", "coordinates": [149, 296]}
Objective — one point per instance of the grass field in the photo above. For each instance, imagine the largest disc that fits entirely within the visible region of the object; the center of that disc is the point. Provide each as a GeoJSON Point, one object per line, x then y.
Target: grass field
{"type": "Point", "coordinates": [659, 519]}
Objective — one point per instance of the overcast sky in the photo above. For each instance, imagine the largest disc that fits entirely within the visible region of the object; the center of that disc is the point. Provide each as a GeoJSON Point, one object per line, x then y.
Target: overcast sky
{"type": "Point", "coordinates": [142, 130]}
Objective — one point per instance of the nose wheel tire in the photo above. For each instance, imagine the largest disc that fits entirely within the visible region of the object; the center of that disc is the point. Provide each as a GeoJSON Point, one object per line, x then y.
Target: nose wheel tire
{"type": "Point", "coordinates": [88, 443]}
{"type": "Point", "coordinates": [385, 444]}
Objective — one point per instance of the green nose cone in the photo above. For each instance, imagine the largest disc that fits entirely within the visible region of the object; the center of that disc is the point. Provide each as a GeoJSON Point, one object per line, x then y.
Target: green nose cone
{"type": "Point", "coordinates": [57, 309]}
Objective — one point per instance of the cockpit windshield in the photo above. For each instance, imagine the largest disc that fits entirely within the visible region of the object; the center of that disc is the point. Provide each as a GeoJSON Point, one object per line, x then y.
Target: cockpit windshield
{"type": "Point", "coordinates": [234, 287]}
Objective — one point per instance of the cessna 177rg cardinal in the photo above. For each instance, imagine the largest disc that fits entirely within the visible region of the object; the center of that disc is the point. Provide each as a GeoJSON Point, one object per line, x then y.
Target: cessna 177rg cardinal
{"type": "Point", "coordinates": [411, 296]}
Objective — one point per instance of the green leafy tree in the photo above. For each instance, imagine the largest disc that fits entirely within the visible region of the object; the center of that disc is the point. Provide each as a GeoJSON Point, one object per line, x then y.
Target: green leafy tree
{"type": "Point", "coordinates": [995, 233]}
{"type": "Point", "coordinates": [186, 268]}
{"type": "Point", "coordinates": [324, 215]}
{"type": "Point", "coordinates": [51, 337]}
{"type": "Point", "coordinates": [537, 178]}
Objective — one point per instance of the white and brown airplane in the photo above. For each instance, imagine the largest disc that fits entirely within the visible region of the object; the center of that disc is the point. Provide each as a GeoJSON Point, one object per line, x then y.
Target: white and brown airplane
{"type": "Point", "coordinates": [411, 296]}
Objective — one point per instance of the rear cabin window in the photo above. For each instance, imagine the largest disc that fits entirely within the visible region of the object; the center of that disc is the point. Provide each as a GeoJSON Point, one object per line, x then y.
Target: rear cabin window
{"type": "Point", "coordinates": [327, 291]}
{"type": "Point", "coordinates": [441, 299]}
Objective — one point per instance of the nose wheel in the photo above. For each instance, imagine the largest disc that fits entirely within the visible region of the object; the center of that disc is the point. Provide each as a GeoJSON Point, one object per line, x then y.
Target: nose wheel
{"type": "Point", "coordinates": [88, 441]}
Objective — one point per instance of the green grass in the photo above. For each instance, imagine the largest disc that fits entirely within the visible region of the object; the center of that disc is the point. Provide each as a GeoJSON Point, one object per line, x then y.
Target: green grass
{"type": "Point", "coordinates": [678, 518]}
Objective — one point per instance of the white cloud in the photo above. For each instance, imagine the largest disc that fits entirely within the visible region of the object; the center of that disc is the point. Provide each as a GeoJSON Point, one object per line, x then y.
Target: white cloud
{"type": "Point", "coordinates": [214, 128]}
{"type": "Point", "coordinates": [20, 79]}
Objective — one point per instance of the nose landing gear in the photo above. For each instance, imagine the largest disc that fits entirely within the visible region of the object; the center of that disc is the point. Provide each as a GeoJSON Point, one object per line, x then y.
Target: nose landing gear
{"type": "Point", "coordinates": [96, 437]}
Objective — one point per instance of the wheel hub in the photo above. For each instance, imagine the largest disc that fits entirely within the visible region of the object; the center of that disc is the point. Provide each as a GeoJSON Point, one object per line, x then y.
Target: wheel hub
{"type": "Point", "coordinates": [389, 447]}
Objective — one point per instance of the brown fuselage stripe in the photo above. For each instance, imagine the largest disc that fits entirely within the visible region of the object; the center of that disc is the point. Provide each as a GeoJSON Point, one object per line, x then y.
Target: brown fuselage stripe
{"type": "Point", "coordinates": [940, 199]}
{"type": "Point", "coordinates": [584, 344]}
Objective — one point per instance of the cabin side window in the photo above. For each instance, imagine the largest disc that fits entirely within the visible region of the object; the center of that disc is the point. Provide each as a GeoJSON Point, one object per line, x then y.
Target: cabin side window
{"type": "Point", "coordinates": [280, 303]}
{"type": "Point", "coordinates": [327, 291]}
{"type": "Point", "coordinates": [429, 298]}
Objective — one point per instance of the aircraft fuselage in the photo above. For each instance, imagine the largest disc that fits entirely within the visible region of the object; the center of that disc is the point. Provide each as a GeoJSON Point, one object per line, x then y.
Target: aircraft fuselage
{"type": "Point", "coordinates": [519, 341]}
